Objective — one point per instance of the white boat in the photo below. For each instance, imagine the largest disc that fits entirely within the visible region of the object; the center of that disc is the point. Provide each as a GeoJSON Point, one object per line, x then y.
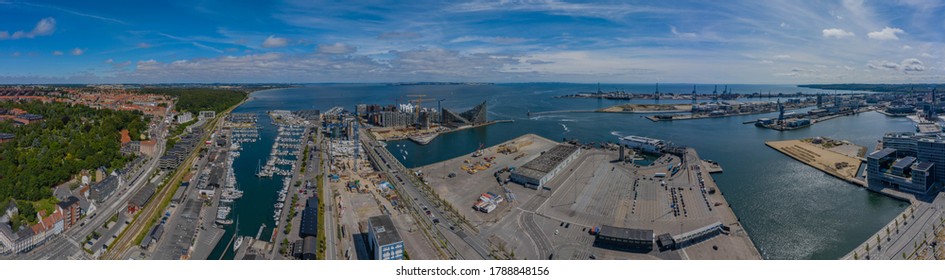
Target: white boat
{"type": "Point", "coordinates": [239, 240]}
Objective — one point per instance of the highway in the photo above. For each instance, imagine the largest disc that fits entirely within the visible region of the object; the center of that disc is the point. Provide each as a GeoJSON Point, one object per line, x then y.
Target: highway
{"type": "Point", "coordinates": [407, 187]}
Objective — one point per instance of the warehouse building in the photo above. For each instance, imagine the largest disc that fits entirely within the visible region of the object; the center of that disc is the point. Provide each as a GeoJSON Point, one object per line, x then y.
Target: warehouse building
{"type": "Point", "coordinates": [624, 239]}
{"type": "Point", "coordinates": [309, 218]}
{"type": "Point", "coordinates": [542, 169]}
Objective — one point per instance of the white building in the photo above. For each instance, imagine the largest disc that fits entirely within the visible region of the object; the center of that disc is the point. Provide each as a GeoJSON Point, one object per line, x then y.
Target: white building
{"type": "Point", "coordinates": [185, 117]}
{"type": "Point", "coordinates": [642, 143]}
{"type": "Point", "coordinates": [206, 115]}
{"type": "Point", "coordinates": [384, 239]}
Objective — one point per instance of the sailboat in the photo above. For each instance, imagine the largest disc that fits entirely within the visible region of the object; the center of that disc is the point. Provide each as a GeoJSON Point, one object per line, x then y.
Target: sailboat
{"type": "Point", "coordinates": [239, 240]}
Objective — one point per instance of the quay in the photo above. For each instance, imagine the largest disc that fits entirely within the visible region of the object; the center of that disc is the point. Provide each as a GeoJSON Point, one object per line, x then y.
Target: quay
{"type": "Point", "coordinates": [844, 166]}
{"type": "Point", "coordinates": [671, 196]}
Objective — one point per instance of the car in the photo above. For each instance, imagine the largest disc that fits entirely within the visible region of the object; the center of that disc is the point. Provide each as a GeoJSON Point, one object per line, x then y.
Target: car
{"type": "Point", "coordinates": [425, 207]}
{"type": "Point", "coordinates": [568, 225]}
{"type": "Point", "coordinates": [429, 213]}
{"type": "Point", "coordinates": [561, 225]}
{"type": "Point", "coordinates": [436, 221]}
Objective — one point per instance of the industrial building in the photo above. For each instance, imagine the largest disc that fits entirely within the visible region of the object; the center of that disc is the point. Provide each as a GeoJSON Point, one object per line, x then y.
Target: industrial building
{"type": "Point", "coordinates": [384, 239]}
{"type": "Point", "coordinates": [542, 169]}
{"type": "Point", "coordinates": [141, 198]}
{"type": "Point", "coordinates": [649, 145]}
{"type": "Point", "coordinates": [625, 239]}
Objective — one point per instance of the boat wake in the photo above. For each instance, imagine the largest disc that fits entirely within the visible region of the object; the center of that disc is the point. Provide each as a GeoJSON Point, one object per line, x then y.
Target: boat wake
{"type": "Point", "coordinates": [617, 133]}
{"type": "Point", "coordinates": [566, 130]}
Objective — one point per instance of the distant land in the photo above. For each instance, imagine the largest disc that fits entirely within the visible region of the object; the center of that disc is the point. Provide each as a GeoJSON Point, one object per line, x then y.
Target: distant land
{"type": "Point", "coordinates": [440, 84]}
{"type": "Point", "coordinates": [877, 87]}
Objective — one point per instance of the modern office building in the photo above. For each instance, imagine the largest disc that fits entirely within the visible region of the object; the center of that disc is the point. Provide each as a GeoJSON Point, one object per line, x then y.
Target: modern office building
{"type": "Point", "coordinates": [384, 239]}
{"type": "Point", "coordinates": [909, 162]}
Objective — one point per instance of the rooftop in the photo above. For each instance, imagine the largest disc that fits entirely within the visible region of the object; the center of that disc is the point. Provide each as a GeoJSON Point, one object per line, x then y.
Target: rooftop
{"type": "Point", "coordinates": [384, 230]}
{"type": "Point", "coordinates": [547, 161]}
{"type": "Point", "coordinates": [904, 162]}
{"type": "Point", "coordinates": [923, 166]}
{"type": "Point", "coordinates": [879, 154]}
{"type": "Point", "coordinates": [642, 139]}
{"type": "Point", "coordinates": [626, 233]}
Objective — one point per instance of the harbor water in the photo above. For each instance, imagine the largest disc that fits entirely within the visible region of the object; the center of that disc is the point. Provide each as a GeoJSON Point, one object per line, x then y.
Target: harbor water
{"type": "Point", "coordinates": [790, 210]}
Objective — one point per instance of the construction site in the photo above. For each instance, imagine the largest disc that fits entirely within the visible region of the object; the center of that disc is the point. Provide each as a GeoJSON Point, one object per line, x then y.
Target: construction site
{"type": "Point", "coordinates": [539, 199]}
{"type": "Point", "coordinates": [359, 192]}
{"type": "Point", "coordinates": [421, 125]}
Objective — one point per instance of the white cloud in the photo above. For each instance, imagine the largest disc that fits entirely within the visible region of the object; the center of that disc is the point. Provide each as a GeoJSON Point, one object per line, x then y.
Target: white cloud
{"type": "Point", "coordinates": [781, 56]}
{"type": "Point", "coordinates": [275, 42]}
{"type": "Point", "coordinates": [766, 61]}
{"type": "Point", "coordinates": [109, 61]}
{"type": "Point", "coordinates": [57, 53]}
{"type": "Point", "coordinates": [681, 34]}
{"type": "Point", "coordinates": [44, 27]}
{"type": "Point", "coordinates": [906, 47]}
{"type": "Point", "coordinates": [906, 66]}
{"type": "Point", "coordinates": [912, 65]}
{"type": "Point", "coordinates": [143, 45]}
{"type": "Point", "coordinates": [494, 40]}
{"type": "Point", "coordinates": [336, 48]}
{"type": "Point", "coordinates": [887, 33]}
{"type": "Point", "coordinates": [837, 33]}
{"type": "Point", "coordinates": [77, 51]}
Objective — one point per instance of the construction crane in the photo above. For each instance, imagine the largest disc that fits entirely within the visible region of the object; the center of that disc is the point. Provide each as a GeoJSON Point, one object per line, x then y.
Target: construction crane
{"type": "Point", "coordinates": [418, 102]}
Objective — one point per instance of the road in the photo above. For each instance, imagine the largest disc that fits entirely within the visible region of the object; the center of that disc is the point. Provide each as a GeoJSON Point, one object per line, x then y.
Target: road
{"type": "Point", "coordinates": [331, 251]}
{"type": "Point", "coordinates": [407, 183]}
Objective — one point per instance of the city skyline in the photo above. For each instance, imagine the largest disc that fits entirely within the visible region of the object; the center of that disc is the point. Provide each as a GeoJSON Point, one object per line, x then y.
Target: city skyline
{"type": "Point", "coordinates": [507, 41]}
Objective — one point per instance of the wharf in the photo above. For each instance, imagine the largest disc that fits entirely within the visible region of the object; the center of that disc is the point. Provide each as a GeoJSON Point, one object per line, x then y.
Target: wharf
{"type": "Point", "coordinates": [592, 190]}
{"type": "Point", "coordinates": [836, 164]}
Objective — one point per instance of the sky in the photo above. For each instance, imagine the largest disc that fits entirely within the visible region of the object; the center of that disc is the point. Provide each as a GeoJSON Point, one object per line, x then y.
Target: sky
{"type": "Point", "coordinates": [299, 41]}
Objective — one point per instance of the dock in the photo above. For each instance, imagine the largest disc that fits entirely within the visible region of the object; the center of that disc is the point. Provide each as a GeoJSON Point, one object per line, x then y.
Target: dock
{"type": "Point", "coordinates": [836, 164]}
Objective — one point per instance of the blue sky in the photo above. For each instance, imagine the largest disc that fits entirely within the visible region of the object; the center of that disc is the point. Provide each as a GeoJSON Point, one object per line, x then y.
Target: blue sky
{"type": "Point", "coordinates": [790, 42]}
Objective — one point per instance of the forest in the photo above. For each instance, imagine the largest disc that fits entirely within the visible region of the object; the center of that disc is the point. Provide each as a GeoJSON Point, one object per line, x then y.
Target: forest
{"type": "Point", "coordinates": [201, 99]}
{"type": "Point", "coordinates": [71, 138]}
